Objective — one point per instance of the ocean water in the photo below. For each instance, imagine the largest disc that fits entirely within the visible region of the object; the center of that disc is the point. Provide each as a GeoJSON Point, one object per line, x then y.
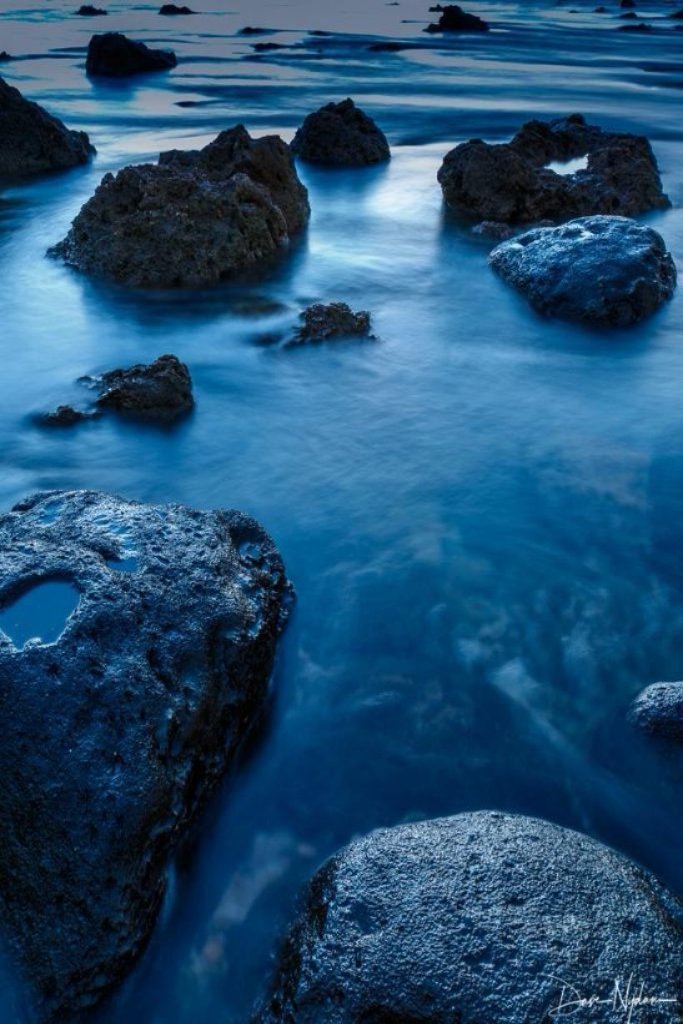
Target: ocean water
{"type": "Point", "coordinates": [482, 512]}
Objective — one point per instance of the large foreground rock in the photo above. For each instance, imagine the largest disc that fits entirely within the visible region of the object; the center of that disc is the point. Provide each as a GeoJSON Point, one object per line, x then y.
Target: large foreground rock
{"type": "Point", "coordinates": [658, 709]}
{"type": "Point", "coordinates": [603, 270]}
{"type": "Point", "coordinates": [113, 55]}
{"type": "Point", "coordinates": [477, 919]}
{"type": "Point", "coordinates": [114, 732]}
{"type": "Point", "coordinates": [340, 135]}
{"type": "Point", "coordinates": [513, 184]}
{"type": "Point", "coordinates": [33, 141]}
{"type": "Point", "coordinates": [195, 218]}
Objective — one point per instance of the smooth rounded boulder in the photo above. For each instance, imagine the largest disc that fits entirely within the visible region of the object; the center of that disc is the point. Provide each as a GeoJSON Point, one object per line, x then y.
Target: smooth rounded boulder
{"type": "Point", "coordinates": [194, 219]}
{"type": "Point", "coordinates": [136, 647]}
{"type": "Point", "coordinates": [113, 55]}
{"type": "Point", "coordinates": [340, 135]}
{"type": "Point", "coordinates": [606, 271]}
{"type": "Point", "coordinates": [514, 184]}
{"type": "Point", "coordinates": [658, 710]}
{"type": "Point", "coordinates": [33, 141]}
{"type": "Point", "coordinates": [483, 917]}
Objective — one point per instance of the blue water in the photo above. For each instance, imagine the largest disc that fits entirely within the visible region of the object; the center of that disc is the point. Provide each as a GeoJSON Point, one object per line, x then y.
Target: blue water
{"type": "Point", "coordinates": [39, 614]}
{"type": "Point", "coordinates": [482, 514]}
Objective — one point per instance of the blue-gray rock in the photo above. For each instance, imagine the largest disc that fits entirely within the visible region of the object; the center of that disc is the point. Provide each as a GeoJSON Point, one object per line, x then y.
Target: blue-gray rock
{"type": "Point", "coordinates": [658, 709]}
{"type": "Point", "coordinates": [602, 270]}
{"type": "Point", "coordinates": [340, 135]}
{"type": "Point", "coordinates": [118, 718]}
{"type": "Point", "coordinates": [113, 55]}
{"type": "Point", "coordinates": [478, 919]}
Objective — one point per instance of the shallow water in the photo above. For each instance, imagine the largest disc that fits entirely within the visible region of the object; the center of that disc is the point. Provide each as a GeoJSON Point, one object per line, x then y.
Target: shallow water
{"type": "Point", "coordinates": [482, 512]}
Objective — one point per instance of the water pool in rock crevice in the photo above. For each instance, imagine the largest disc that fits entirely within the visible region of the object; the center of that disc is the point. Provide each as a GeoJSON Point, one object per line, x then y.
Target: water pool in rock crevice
{"type": "Point", "coordinates": [40, 612]}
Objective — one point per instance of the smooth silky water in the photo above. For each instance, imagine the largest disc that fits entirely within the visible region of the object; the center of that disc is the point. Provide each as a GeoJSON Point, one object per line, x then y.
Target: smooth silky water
{"type": "Point", "coordinates": [482, 512]}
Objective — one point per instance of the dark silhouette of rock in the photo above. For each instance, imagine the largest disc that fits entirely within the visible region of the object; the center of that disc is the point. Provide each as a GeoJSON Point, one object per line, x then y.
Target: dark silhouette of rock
{"type": "Point", "coordinates": [163, 388]}
{"type": "Point", "coordinates": [336, 320]}
{"type": "Point", "coordinates": [454, 19]}
{"type": "Point", "coordinates": [64, 416]}
{"type": "Point", "coordinates": [195, 218]}
{"type": "Point", "coordinates": [340, 135]}
{"type": "Point", "coordinates": [658, 709]}
{"type": "Point", "coordinates": [113, 55]}
{"type": "Point", "coordinates": [173, 9]}
{"type": "Point", "coordinates": [115, 733]}
{"type": "Point", "coordinates": [480, 917]}
{"type": "Point", "coordinates": [88, 11]}
{"type": "Point", "coordinates": [33, 141]}
{"type": "Point", "coordinates": [602, 270]}
{"type": "Point", "coordinates": [511, 182]}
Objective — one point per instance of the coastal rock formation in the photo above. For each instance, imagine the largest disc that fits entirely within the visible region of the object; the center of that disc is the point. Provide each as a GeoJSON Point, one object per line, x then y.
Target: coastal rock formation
{"type": "Point", "coordinates": [33, 141]}
{"type": "Point", "coordinates": [64, 416]}
{"type": "Point", "coordinates": [608, 271]}
{"type": "Point", "coordinates": [479, 917]}
{"type": "Point", "coordinates": [335, 320]}
{"type": "Point", "coordinates": [194, 219]}
{"type": "Point", "coordinates": [118, 723]}
{"type": "Point", "coordinates": [658, 709]}
{"type": "Point", "coordinates": [511, 182]}
{"type": "Point", "coordinates": [340, 135]}
{"type": "Point", "coordinates": [173, 9]}
{"type": "Point", "coordinates": [89, 11]}
{"type": "Point", "coordinates": [163, 388]}
{"type": "Point", "coordinates": [454, 19]}
{"type": "Point", "coordinates": [113, 55]}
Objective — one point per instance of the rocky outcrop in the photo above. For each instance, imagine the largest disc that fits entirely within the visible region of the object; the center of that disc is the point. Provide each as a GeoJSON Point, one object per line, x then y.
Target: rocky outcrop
{"type": "Point", "coordinates": [173, 9]}
{"type": "Point", "coordinates": [116, 729]}
{"type": "Point", "coordinates": [64, 416]}
{"type": "Point", "coordinates": [480, 917]}
{"type": "Point", "coordinates": [113, 55]}
{"type": "Point", "coordinates": [89, 11]}
{"type": "Point", "coordinates": [340, 135]}
{"type": "Point", "coordinates": [193, 219]}
{"type": "Point", "coordinates": [607, 271]}
{"type": "Point", "coordinates": [454, 19]}
{"type": "Point", "coordinates": [162, 388]}
{"type": "Point", "coordinates": [326, 322]}
{"type": "Point", "coordinates": [511, 182]}
{"type": "Point", "coordinates": [33, 141]}
{"type": "Point", "coordinates": [658, 709]}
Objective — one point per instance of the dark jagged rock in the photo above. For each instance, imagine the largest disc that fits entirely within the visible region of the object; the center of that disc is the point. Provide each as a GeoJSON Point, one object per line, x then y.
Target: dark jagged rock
{"type": "Point", "coordinates": [173, 9]}
{"type": "Point", "coordinates": [454, 19]}
{"type": "Point", "coordinates": [493, 229]}
{"type": "Point", "coordinates": [602, 270]}
{"type": "Point", "coordinates": [115, 733]}
{"type": "Point", "coordinates": [340, 135]}
{"type": "Point", "coordinates": [163, 388]}
{"type": "Point", "coordinates": [659, 710]}
{"type": "Point", "coordinates": [113, 55]}
{"type": "Point", "coordinates": [64, 416]}
{"type": "Point", "coordinates": [511, 182]}
{"type": "Point", "coordinates": [33, 141]}
{"type": "Point", "coordinates": [474, 918]}
{"type": "Point", "coordinates": [88, 11]}
{"type": "Point", "coordinates": [195, 218]}
{"type": "Point", "coordinates": [336, 320]}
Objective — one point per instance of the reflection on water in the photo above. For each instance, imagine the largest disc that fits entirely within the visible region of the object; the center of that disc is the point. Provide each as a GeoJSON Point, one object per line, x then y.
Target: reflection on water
{"type": "Point", "coordinates": [39, 614]}
{"type": "Point", "coordinates": [482, 514]}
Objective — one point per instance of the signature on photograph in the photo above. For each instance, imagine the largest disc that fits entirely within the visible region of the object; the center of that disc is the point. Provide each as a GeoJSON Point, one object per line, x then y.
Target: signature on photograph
{"type": "Point", "coordinates": [626, 996]}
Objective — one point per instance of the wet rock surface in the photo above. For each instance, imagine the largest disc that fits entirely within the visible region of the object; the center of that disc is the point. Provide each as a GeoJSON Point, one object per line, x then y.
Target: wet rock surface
{"type": "Point", "coordinates": [325, 322]}
{"type": "Point", "coordinates": [113, 55]}
{"type": "Point", "coordinates": [115, 733]}
{"type": "Point", "coordinates": [33, 141]}
{"type": "Point", "coordinates": [64, 416]}
{"type": "Point", "coordinates": [474, 918]}
{"type": "Point", "coordinates": [89, 11]}
{"type": "Point", "coordinates": [162, 388]}
{"type": "Point", "coordinates": [659, 710]}
{"type": "Point", "coordinates": [340, 135]}
{"type": "Point", "coordinates": [195, 218]}
{"type": "Point", "coordinates": [454, 19]}
{"type": "Point", "coordinates": [607, 271]}
{"type": "Point", "coordinates": [174, 9]}
{"type": "Point", "coordinates": [511, 182]}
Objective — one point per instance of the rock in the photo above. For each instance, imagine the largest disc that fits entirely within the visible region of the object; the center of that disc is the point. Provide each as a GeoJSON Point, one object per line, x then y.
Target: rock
{"type": "Point", "coordinates": [493, 229]}
{"type": "Point", "coordinates": [88, 11]}
{"type": "Point", "coordinates": [164, 388]}
{"type": "Point", "coordinates": [33, 141]}
{"type": "Point", "coordinates": [454, 19]}
{"type": "Point", "coordinates": [116, 731]}
{"type": "Point", "coordinates": [193, 219]}
{"type": "Point", "coordinates": [658, 709]}
{"type": "Point", "coordinates": [607, 271]}
{"type": "Point", "coordinates": [511, 182]}
{"type": "Point", "coordinates": [326, 322]}
{"type": "Point", "coordinates": [475, 918]}
{"type": "Point", "coordinates": [340, 135]}
{"type": "Point", "coordinates": [113, 55]}
{"type": "Point", "coordinates": [173, 9]}
{"type": "Point", "coordinates": [64, 416]}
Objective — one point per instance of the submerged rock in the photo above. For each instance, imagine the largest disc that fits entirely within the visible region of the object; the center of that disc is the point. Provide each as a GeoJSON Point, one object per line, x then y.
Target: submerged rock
{"type": "Point", "coordinates": [163, 388]}
{"type": "Point", "coordinates": [174, 9]}
{"type": "Point", "coordinates": [88, 11]}
{"type": "Point", "coordinates": [475, 918]}
{"type": "Point", "coordinates": [194, 219]}
{"type": "Point", "coordinates": [340, 135]}
{"type": "Point", "coordinates": [336, 320]}
{"type": "Point", "coordinates": [454, 19]}
{"type": "Point", "coordinates": [658, 709]}
{"type": "Point", "coordinates": [113, 55]}
{"type": "Point", "coordinates": [64, 416]}
{"type": "Point", "coordinates": [511, 182]}
{"type": "Point", "coordinates": [603, 270]}
{"type": "Point", "coordinates": [33, 141]}
{"type": "Point", "coordinates": [115, 732]}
